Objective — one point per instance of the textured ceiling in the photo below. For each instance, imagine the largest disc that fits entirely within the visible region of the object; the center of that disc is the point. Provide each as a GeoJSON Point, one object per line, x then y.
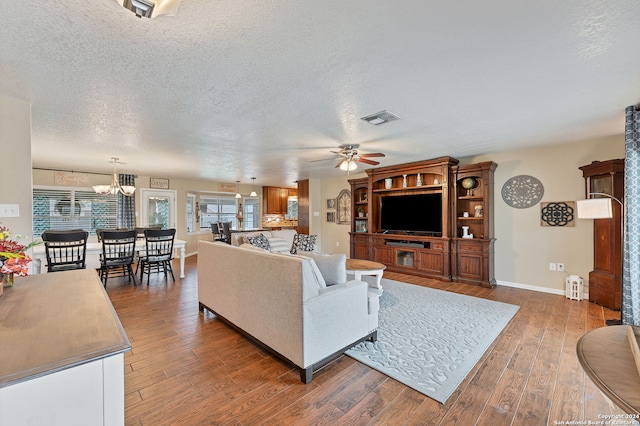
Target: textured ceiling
{"type": "Point", "coordinates": [227, 90]}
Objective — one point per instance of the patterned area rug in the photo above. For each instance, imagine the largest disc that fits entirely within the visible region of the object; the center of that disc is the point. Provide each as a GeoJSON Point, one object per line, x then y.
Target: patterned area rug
{"type": "Point", "coordinates": [430, 339]}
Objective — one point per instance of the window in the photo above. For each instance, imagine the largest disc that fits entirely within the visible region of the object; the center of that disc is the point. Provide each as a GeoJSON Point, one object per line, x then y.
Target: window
{"type": "Point", "coordinates": [217, 209]}
{"type": "Point", "coordinates": [252, 213]}
{"type": "Point", "coordinates": [191, 212]}
{"type": "Point", "coordinates": [69, 208]}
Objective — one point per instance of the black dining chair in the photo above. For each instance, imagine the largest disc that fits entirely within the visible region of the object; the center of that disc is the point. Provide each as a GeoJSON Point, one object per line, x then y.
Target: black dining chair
{"type": "Point", "coordinates": [158, 253]}
{"type": "Point", "coordinates": [225, 227]}
{"type": "Point", "coordinates": [217, 232]}
{"type": "Point", "coordinates": [118, 252]}
{"type": "Point", "coordinates": [65, 250]}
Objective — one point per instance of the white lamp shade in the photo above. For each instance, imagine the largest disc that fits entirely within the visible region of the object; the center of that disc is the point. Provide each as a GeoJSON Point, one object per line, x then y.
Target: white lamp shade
{"type": "Point", "coordinates": [595, 208]}
{"type": "Point", "coordinates": [347, 165]}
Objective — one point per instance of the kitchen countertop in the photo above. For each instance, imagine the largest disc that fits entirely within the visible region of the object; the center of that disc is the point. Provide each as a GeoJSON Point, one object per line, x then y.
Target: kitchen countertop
{"type": "Point", "coordinates": [52, 322]}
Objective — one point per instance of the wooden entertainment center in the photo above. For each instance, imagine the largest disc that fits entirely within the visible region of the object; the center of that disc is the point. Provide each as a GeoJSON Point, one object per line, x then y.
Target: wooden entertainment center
{"type": "Point", "coordinates": [462, 248]}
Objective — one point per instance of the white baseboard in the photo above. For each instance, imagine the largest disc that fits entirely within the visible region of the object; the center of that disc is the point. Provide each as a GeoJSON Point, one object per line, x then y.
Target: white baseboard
{"type": "Point", "coordinates": [559, 292]}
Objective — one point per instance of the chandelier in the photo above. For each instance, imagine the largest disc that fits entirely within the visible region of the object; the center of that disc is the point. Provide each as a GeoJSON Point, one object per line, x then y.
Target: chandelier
{"type": "Point", "coordinates": [115, 186]}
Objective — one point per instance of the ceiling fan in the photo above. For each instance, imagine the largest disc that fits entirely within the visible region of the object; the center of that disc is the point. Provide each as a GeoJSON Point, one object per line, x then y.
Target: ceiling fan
{"type": "Point", "coordinates": [350, 158]}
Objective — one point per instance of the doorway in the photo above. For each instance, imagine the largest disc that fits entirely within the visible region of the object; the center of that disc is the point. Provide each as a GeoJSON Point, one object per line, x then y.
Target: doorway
{"type": "Point", "coordinates": [158, 208]}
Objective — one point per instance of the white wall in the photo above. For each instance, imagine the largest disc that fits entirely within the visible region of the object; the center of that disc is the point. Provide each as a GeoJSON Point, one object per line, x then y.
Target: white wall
{"type": "Point", "coordinates": [15, 173]}
{"type": "Point", "coordinates": [523, 247]}
{"type": "Point", "coordinates": [181, 186]}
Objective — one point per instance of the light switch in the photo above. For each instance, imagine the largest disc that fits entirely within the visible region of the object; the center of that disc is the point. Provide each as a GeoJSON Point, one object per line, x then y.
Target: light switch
{"type": "Point", "coordinates": [9, 210]}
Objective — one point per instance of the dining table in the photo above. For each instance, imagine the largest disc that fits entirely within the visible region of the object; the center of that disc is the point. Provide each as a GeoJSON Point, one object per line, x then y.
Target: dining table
{"type": "Point", "coordinates": [94, 250]}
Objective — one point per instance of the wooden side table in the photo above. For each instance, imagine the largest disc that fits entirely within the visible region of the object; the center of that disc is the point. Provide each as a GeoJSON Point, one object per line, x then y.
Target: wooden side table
{"type": "Point", "coordinates": [359, 267]}
{"type": "Point", "coordinates": [605, 355]}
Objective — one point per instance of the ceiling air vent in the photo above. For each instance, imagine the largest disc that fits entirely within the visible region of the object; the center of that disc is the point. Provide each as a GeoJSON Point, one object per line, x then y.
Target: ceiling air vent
{"type": "Point", "coordinates": [380, 117]}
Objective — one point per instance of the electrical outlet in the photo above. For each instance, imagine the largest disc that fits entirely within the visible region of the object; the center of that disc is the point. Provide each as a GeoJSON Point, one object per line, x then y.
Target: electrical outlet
{"type": "Point", "coordinates": [337, 243]}
{"type": "Point", "coordinates": [552, 266]}
{"type": "Point", "coordinates": [561, 267]}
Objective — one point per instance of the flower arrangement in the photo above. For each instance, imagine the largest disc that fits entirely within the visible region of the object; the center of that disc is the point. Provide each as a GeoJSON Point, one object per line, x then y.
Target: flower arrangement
{"type": "Point", "coordinates": [12, 254]}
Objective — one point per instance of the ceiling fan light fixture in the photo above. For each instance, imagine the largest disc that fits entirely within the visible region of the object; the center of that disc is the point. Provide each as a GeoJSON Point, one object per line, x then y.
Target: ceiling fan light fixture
{"type": "Point", "coordinates": [348, 165]}
{"type": "Point", "coordinates": [151, 8]}
{"type": "Point", "coordinates": [380, 118]}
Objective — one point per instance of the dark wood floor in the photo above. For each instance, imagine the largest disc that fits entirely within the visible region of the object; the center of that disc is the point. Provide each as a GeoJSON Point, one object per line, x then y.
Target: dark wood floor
{"type": "Point", "coordinates": [189, 368]}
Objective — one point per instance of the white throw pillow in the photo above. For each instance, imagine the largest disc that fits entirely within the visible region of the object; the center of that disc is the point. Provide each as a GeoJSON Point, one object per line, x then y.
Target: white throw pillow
{"type": "Point", "coordinates": [279, 245]}
{"type": "Point", "coordinates": [333, 267]}
{"type": "Point", "coordinates": [250, 247]}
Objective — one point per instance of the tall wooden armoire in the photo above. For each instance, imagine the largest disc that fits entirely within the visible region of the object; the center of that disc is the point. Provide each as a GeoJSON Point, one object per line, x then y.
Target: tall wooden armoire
{"type": "Point", "coordinates": [605, 281]}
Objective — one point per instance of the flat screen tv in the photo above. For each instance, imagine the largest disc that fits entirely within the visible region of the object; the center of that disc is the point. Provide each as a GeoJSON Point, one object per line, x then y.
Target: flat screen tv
{"type": "Point", "coordinates": [412, 213]}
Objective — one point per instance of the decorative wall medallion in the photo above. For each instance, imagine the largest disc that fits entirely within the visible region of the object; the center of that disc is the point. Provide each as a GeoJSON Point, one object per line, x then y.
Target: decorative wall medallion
{"type": "Point", "coordinates": [559, 213]}
{"type": "Point", "coordinates": [521, 192]}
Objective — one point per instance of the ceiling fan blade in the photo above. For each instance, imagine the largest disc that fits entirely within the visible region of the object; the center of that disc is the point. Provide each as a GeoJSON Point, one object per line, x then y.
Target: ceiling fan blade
{"type": "Point", "coordinates": [364, 160]}
{"type": "Point", "coordinates": [339, 163]}
{"type": "Point", "coordinates": [374, 154]}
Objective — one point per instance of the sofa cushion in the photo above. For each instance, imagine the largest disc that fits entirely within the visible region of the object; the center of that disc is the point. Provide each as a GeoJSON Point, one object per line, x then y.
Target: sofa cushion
{"type": "Point", "coordinates": [259, 241]}
{"type": "Point", "coordinates": [279, 245]}
{"type": "Point", "coordinates": [303, 242]}
{"type": "Point", "coordinates": [286, 234]}
{"type": "Point", "coordinates": [333, 267]}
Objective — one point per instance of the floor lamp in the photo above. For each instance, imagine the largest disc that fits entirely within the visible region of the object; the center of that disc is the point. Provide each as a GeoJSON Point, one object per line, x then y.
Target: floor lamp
{"type": "Point", "coordinates": [600, 208]}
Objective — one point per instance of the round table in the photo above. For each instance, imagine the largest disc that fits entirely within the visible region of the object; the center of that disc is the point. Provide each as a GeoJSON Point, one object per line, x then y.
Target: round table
{"type": "Point", "coordinates": [360, 267]}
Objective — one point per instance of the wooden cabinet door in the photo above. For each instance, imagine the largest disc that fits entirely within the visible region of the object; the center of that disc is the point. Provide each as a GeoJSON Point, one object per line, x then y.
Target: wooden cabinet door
{"type": "Point", "coordinates": [383, 255]}
{"type": "Point", "coordinates": [272, 199]}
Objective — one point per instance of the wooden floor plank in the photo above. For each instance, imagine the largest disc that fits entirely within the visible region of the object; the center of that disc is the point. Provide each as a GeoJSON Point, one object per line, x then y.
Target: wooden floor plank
{"type": "Point", "coordinates": [187, 367]}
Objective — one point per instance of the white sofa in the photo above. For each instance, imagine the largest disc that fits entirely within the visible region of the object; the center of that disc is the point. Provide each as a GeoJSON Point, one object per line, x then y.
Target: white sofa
{"type": "Point", "coordinates": [281, 301]}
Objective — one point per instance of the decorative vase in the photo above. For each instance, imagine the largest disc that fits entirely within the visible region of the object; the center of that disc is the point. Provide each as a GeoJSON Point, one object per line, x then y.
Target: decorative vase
{"type": "Point", "coordinates": [388, 183]}
{"type": "Point", "coordinates": [7, 279]}
{"type": "Point", "coordinates": [404, 181]}
{"type": "Point", "coordinates": [419, 181]}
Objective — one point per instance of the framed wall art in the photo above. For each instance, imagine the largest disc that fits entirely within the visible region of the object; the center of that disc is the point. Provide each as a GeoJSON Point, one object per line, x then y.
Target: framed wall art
{"type": "Point", "coordinates": [558, 213]}
{"type": "Point", "coordinates": [158, 183]}
{"type": "Point", "coordinates": [343, 206]}
{"type": "Point", "coordinates": [331, 216]}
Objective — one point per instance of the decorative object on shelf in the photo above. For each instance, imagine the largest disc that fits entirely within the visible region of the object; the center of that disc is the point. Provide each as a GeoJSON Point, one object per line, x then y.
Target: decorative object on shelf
{"type": "Point", "coordinates": [479, 211]}
{"type": "Point", "coordinates": [115, 186]}
{"type": "Point", "coordinates": [331, 203]}
{"type": "Point", "coordinates": [465, 214]}
{"type": "Point", "coordinates": [13, 258]}
{"type": "Point", "coordinates": [557, 213]}
{"type": "Point", "coordinates": [363, 197]}
{"type": "Point", "coordinates": [388, 183]}
{"type": "Point", "coordinates": [436, 181]}
{"type": "Point", "coordinates": [361, 226]}
{"type": "Point", "coordinates": [404, 181]}
{"type": "Point", "coordinates": [465, 232]}
{"type": "Point", "coordinates": [344, 207]}
{"type": "Point", "coordinates": [469, 184]}
{"type": "Point", "coordinates": [523, 191]}
{"type": "Point", "coordinates": [331, 216]}
{"type": "Point", "coordinates": [418, 181]}
{"type": "Point", "coordinates": [360, 212]}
